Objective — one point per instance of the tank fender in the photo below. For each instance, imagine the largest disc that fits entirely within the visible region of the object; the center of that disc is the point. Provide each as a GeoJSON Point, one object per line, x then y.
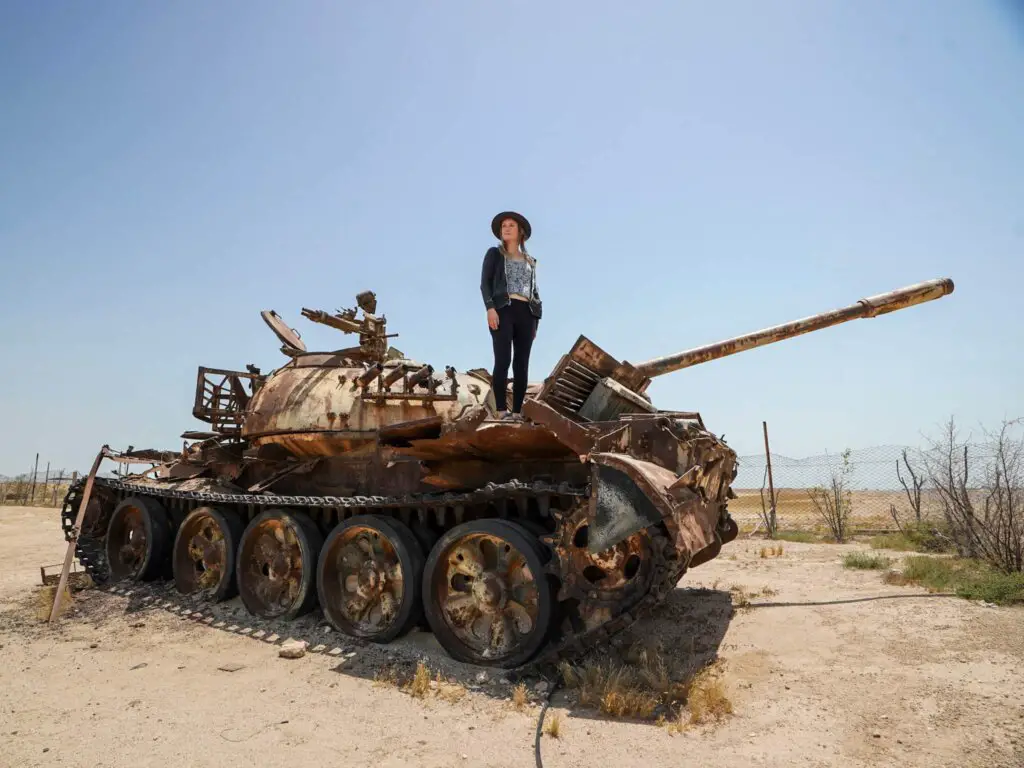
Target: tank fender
{"type": "Point", "coordinates": [629, 495]}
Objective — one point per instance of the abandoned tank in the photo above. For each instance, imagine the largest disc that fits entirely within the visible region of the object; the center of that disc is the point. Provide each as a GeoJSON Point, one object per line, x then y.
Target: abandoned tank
{"type": "Point", "coordinates": [387, 493]}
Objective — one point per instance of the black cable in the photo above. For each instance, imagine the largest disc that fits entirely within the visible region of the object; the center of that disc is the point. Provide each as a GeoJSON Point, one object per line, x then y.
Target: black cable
{"type": "Point", "coordinates": [540, 725]}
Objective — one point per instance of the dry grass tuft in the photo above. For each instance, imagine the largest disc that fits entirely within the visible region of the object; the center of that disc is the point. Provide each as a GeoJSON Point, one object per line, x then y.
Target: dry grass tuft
{"type": "Point", "coordinates": [767, 552]}
{"type": "Point", "coordinates": [419, 685]}
{"type": "Point", "coordinates": [740, 597]}
{"type": "Point", "coordinates": [620, 690]}
{"type": "Point", "coordinates": [447, 690]}
{"type": "Point", "coordinates": [865, 562]}
{"type": "Point", "coordinates": [554, 726]}
{"type": "Point", "coordinates": [520, 698]}
{"type": "Point", "coordinates": [708, 699]}
{"type": "Point", "coordinates": [646, 689]}
{"type": "Point", "coordinates": [387, 676]}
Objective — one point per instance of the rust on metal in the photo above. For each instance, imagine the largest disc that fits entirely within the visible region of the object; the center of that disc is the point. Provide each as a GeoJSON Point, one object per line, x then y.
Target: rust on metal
{"type": "Point", "coordinates": [127, 540]}
{"type": "Point", "coordinates": [488, 596]}
{"type": "Point", "coordinates": [203, 560]}
{"type": "Point", "coordinates": [872, 306]}
{"type": "Point", "coordinates": [271, 567]}
{"type": "Point", "coordinates": [496, 441]}
{"type": "Point", "coordinates": [363, 582]}
{"type": "Point", "coordinates": [589, 509]}
{"type": "Point", "coordinates": [371, 374]}
{"type": "Point", "coordinates": [593, 584]}
{"type": "Point", "coordinates": [288, 336]}
{"type": "Point", "coordinates": [566, 430]}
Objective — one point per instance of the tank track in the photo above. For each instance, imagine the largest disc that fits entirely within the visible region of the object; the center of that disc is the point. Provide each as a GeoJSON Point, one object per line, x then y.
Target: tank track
{"type": "Point", "coordinates": [88, 550]}
{"type": "Point", "coordinates": [667, 568]}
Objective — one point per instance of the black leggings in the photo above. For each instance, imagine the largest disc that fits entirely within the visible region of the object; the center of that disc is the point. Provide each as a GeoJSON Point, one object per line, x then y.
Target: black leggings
{"type": "Point", "coordinates": [516, 326]}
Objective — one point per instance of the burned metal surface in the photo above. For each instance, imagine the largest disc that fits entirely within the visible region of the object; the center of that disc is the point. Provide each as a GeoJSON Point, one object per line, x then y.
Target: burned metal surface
{"type": "Point", "coordinates": [493, 440]}
{"type": "Point", "coordinates": [578, 518]}
{"type": "Point", "coordinates": [596, 585]}
{"type": "Point", "coordinates": [127, 542]}
{"type": "Point", "coordinates": [287, 336]}
{"type": "Point", "coordinates": [201, 558]}
{"type": "Point", "coordinates": [221, 399]}
{"type": "Point", "coordinates": [488, 595]}
{"type": "Point", "coordinates": [271, 568]}
{"type": "Point", "coordinates": [362, 584]}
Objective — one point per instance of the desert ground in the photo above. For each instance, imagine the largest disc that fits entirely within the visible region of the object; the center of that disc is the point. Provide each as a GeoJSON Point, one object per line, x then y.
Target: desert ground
{"type": "Point", "coordinates": [823, 667]}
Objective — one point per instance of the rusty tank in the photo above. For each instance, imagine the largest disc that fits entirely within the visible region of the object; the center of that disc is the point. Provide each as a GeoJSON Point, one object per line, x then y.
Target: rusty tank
{"type": "Point", "coordinates": [385, 493]}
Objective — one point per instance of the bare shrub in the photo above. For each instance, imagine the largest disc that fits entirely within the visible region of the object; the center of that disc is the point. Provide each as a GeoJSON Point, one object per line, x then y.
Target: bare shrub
{"type": "Point", "coordinates": [982, 495]}
{"type": "Point", "coordinates": [835, 503]}
{"type": "Point", "coordinates": [911, 489]}
{"type": "Point", "coordinates": [915, 533]}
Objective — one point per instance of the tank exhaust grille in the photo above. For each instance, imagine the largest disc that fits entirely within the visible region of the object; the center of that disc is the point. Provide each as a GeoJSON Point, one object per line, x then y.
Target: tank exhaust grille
{"type": "Point", "coordinates": [571, 387]}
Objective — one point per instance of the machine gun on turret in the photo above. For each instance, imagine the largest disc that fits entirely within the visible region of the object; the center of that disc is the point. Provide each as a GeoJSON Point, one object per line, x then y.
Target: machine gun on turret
{"type": "Point", "coordinates": [373, 346]}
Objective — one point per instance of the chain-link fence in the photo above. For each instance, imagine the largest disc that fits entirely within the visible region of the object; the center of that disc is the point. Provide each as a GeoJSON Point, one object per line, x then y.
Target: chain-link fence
{"type": "Point", "coordinates": [875, 482]}
{"type": "Point", "coordinates": [43, 488]}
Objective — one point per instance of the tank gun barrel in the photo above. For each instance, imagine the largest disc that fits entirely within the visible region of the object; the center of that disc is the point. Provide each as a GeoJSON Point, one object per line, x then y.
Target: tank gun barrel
{"type": "Point", "coordinates": [873, 306]}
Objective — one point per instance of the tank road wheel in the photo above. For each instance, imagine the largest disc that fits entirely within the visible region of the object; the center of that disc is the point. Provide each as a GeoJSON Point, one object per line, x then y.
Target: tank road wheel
{"type": "Point", "coordinates": [596, 587]}
{"type": "Point", "coordinates": [137, 539]}
{"type": "Point", "coordinates": [486, 595]}
{"type": "Point", "coordinates": [276, 564]}
{"type": "Point", "coordinates": [369, 578]}
{"type": "Point", "coordinates": [204, 553]}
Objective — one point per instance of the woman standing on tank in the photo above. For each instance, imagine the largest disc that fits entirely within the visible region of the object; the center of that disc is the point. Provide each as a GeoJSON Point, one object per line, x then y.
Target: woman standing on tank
{"type": "Point", "coordinates": [508, 283]}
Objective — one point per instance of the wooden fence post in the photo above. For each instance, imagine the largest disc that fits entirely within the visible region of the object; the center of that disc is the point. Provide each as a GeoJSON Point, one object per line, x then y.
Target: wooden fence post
{"type": "Point", "coordinates": [35, 472]}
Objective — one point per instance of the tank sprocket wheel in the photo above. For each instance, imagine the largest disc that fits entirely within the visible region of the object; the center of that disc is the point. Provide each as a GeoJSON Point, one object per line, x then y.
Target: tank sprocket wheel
{"type": "Point", "coordinates": [369, 578]}
{"type": "Point", "coordinates": [276, 564]}
{"type": "Point", "coordinates": [137, 539]}
{"type": "Point", "coordinates": [203, 557]}
{"type": "Point", "coordinates": [598, 586]}
{"type": "Point", "coordinates": [486, 595]}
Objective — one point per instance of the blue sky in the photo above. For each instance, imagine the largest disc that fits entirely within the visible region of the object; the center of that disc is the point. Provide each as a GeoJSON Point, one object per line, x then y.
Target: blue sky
{"type": "Point", "coordinates": [692, 171]}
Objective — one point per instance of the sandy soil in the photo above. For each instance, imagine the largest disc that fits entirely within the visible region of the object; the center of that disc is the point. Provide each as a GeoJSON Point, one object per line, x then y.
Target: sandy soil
{"type": "Point", "coordinates": [835, 668]}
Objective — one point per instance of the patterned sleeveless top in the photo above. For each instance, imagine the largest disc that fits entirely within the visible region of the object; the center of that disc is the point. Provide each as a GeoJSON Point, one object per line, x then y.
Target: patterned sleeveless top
{"type": "Point", "coordinates": [519, 277]}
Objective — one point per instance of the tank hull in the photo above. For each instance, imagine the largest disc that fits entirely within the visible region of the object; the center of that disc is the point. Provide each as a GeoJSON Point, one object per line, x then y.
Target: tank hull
{"type": "Point", "coordinates": [363, 483]}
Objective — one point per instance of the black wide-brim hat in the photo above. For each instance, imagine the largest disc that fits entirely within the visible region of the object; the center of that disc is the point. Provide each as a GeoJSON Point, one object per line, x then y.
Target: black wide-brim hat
{"type": "Point", "coordinates": [524, 225]}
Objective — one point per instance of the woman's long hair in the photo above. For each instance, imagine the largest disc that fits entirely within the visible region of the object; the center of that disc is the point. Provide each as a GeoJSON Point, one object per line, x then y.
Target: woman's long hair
{"type": "Point", "coordinates": [522, 247]}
